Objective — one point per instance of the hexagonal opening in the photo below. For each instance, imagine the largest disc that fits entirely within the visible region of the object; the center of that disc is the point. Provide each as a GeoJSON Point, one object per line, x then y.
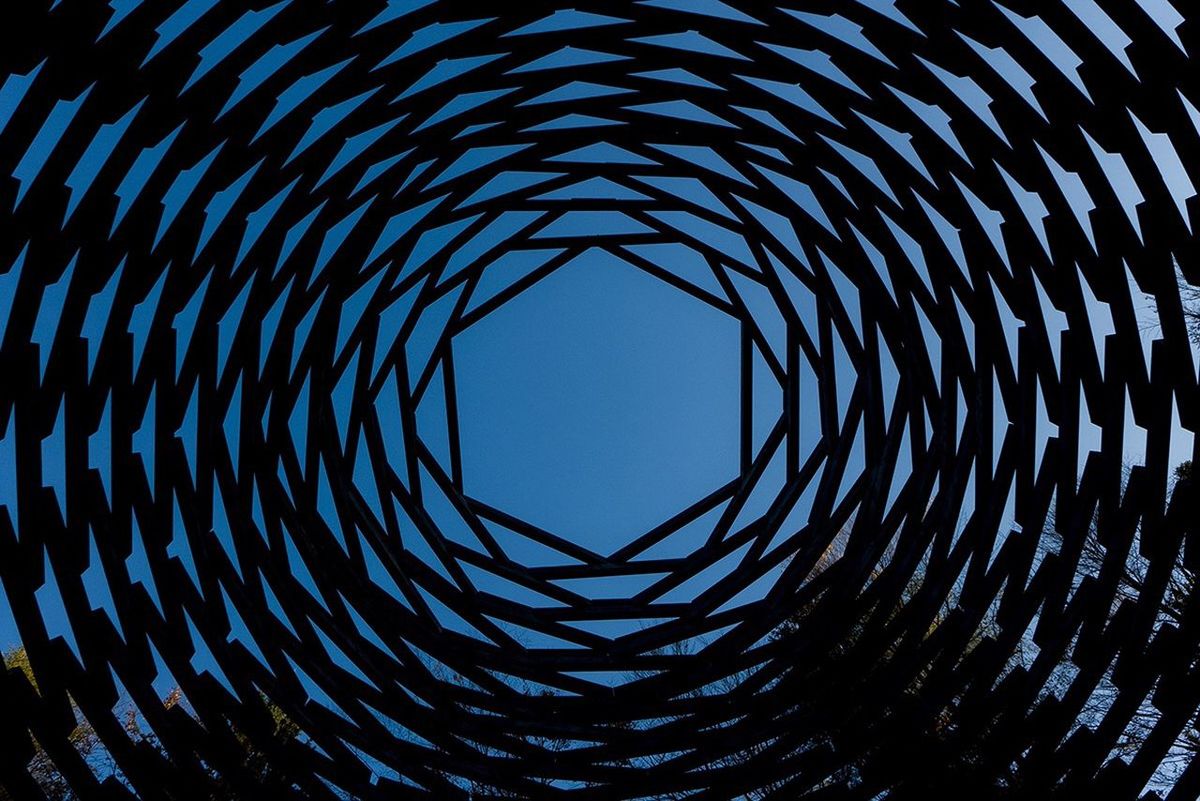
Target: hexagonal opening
{"type": "Point", "coordinates": [598, 403]}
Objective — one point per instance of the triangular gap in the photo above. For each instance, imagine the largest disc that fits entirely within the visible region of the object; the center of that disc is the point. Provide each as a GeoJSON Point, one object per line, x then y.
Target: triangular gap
{"type": "Point", "coordinates": [930, 432]}
{"type": "Point", "coordinates": [609, 587]}
{"type": "Point", "coordinates": [577, 223]}
{"type": "Point", "coordinates": [526, 551]}
{"type": "Point", "coordinates": [866, 166]}
{"type": "Point", "coordinates": [1133, 448]}
{"type": "Point", "coordinates": [534, 640]}
{"type": "Point", "coordinates": [690, 190]}
{"type": "Point", "coordinates": [416, 172]}
{"type": "Point", "coordinates": [756, 591]}
{"type": "Point", "coordinates": [352, 314]}
{"type": "Point", "coordinates": [48, 600]}
{"type": "Point", "coordinates": [431, 244]}
{"type": "Point", "coordinates": [274, 607]}
{"type": "Point", "coordinates": [773, 152]}
{"type": "Point", "coordinates": [961, 415]}
{"type": "Point", "coordinates": [379, 574]}
{"type": "Point", "coordinates": [847, 378]}
{"type": "Point", "coordinates": [600, 679]}
{"type": "Point", "coordinates": [1007, 517]}
{"type": "Point", "coordinates": [678, 109]}
{"type": "Point", "coordinates": [765, 491]}
{"type": "Point", "coordinates": [366, 480]}
{"type": "Point", "coordinates": [967, 325]}
{"type": "Point", "coordinates": [527, 686]}
{"type": "Point", "coordinates": [437, 670]}
{"type": "Point", "coordinates": [899, 531]}
{"type": "Point", "coordinates": [797, 518]}
{"type": "Point", "coordinates": [855, 464]}
{"type": "Point", "coordinates": [596, 187]}
{"type": "Point", "coordinates": [343, 402]}
{"type": "Point", "coordinates": [793, 263]}
{"type": "Point", "coordinates": [764, 314]}
{"type": "Point", "coordinates": [933, 345]}
{"type": "Point", "coordinates": [341, 659]}
{"type": "Point", "coordinates": [285, 482]}
{"type": "Point", "coordinates": [704, 157]}
{"type": "Point", "coordinates": [221, 510]}
{"type": "Point", "coordinates": [802, 295]}
{"type": "Point", "coordinates": [474, 159]}
{"type": "Point", "coordinates": [713, 640]}
{"type": "Point", "coordinates": [602, 153]}
{"type": "Point", "coordinates": [498, 233]}
{"type": "Point", "coordinates": [367, 631]}
{"type": "Point", "coordinates": [802, 195]}
{"type": "Point", "coordinates": [441, 511]}
{"type": "Point", "coordinates": [1099, 318]}
{"type": "Point", "coordinates": [96, 586]}
{"type": "Point", "coordinates": [611, 629]}
{"type": "Point", "coordinates": [1009, 324]}
{"type": "Point", "coordinates": [449, 619]}
{"type": "Point", "coordinates": [687, 539]}
{"type": "Point", "coordinates": [576, 91]}
{"type": "Point", "coordinates": [377, 769]}
{"type": "Point", "coordinates": [811, 403]}
{"type": "Point", "coordinates": [951, 239]}
{"type": "Point", "coordinates": [683, 262]}
{"type": "Point", "coordinates": [493, 583]}
{"type": "Point", "coordinates": [377, 169]}
{"type": "Point", "coordinates": [302, 330]}
{"type": "Point", "coordinates": [428, 333]}
{"type": "Point", "coordinates": [126, 705]}
{"type": "Point", "coordinates": [316, 694]}
{"type": "Point", "coordinates": [1054, 320]}
{"type": "Point", "coordinates": [164, 680]}
{"type": "Point", "coordinates": [1182, 440]}
{"type": "Point", "coordinates": [779, 226]}
{"type": "Point", "coordinates": [889, 373]}
{"type": "Point", "coordinates": [572, 121]}
{"type": "Point", "coordinates": [902, 473]}
{"type": "Point", "coordinates": [847, 291]}
{"type": "Point", "coordinates": [704, 580]}
{"type": "Point", "coordinates": [1145, 313]}
{"type": "Point", "coordinates": [990, 220]}
{"type": "Point", "coordinates": [769, 120]}
{"type": "Point", "coordinates": [707, 8]}
{"type": "Point", "coordinates": [690, 42]}
{"type": "Point", "coordinates": [433, 423]}
{"type": "Point", "coordinates": [877, 260]}
{"type": "Point", "coordinates": [391, 429]}
{"type": "Point", "coordinates": [912, 251]}
{"type": "Point", "coordinates": [414, 541]}
{"type": "Point", "coordinates": [1001, 423]}
{"type": "Point", "coordinates": [766, 401]}
{"type": "Point", "coordinates": [837, 184]}
{"type": "Point", "coordinates": [1044, 428]}
{"type": "Point", "coordinates": [1090, 434]}
{"type": "Point", "coordinates": [568, 56]}
{"type": "Point", "coordinates": [726, 241]}
{"type": "Point", "coordinates": [298, 567]}
{"type": "Point", "coordinates": [506, 270]}
{"type": "Point", "coordinates": [474, 129]}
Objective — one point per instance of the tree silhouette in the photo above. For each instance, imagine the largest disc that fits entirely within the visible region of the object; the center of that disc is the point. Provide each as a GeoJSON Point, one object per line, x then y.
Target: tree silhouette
{"type": "Point", "coordinates": [255, 760]}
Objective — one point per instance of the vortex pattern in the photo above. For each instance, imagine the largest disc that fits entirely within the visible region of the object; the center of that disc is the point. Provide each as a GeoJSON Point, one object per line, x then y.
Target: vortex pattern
{"type": "Point", "coordinates": [953, 239]}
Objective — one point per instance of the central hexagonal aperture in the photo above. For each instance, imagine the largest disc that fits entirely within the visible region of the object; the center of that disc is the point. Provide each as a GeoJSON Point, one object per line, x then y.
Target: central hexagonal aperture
{"type": "Point", "coordinates": [598, 403]}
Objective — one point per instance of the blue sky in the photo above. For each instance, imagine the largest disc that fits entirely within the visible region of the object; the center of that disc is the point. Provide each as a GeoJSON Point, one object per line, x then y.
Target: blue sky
{"type": "Point", "coordinates": [599, 402]}
{"type": "Point", "coordinates": [602, 400]}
